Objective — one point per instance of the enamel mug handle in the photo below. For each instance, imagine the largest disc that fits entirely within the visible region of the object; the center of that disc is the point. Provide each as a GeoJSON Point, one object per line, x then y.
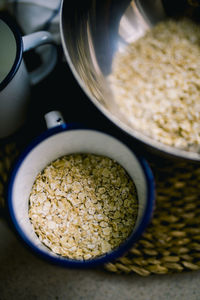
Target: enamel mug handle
{"type": "Point", "coordinates": [34, 40]}
{"type": "Point", "coordinates": [53, 119]}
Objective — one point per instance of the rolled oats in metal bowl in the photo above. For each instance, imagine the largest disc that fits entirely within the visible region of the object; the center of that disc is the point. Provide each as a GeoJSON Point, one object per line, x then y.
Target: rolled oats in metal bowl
{"type": "Point", "coordinates": [83, 205]}
{"type": "Point", "coordinates": [156, 83]}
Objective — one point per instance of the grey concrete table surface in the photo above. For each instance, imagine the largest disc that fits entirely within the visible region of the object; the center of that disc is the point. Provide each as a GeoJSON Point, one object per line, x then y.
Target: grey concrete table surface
{"type": "Point", "coordinates": [25, 276]}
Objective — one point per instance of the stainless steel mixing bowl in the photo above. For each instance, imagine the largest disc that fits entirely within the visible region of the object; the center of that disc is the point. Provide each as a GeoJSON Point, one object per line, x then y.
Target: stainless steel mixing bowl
{"type": "Point", "coordinates": [93, 31]}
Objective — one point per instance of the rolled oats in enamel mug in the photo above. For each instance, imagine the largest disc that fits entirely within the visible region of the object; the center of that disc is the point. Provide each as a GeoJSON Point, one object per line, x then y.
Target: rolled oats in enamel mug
{"type": "Point", "coordinates": [83, 205]}
{"type": "Point", "coordinates": [79, 197]}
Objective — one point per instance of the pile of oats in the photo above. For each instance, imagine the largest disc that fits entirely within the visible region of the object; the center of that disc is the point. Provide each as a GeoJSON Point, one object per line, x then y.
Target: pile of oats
{"type": "Point", "coordinates": [156, 83]}
{"type": "Point", "coordinates": [83, 205]}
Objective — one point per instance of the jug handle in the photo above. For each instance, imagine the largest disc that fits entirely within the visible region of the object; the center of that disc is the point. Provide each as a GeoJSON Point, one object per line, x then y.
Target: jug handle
{"type": "Point", "coordinates": [34, 40]}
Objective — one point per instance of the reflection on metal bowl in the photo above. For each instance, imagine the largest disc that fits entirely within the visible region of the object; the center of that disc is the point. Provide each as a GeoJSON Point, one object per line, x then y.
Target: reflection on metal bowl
{"type": "Point", "coordinates": [94, 31]}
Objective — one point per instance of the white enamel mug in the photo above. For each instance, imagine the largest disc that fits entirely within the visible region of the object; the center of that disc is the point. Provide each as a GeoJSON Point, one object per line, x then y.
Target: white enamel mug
{"type": "Point", "coordinates": [62, 139]}
{"type": "Point", "coordinates": [15, 81]}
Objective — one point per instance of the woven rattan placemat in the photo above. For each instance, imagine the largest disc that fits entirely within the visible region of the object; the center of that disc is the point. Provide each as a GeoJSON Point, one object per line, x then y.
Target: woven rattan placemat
{"type": "Point", "coordinates": [171, 243]}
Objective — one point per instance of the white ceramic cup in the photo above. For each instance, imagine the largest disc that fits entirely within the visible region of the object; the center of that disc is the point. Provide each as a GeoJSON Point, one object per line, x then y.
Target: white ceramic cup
{"type": "Point", "coordinates": [15, 81]}
{"type": "Point", "coordinates": [62, 139]}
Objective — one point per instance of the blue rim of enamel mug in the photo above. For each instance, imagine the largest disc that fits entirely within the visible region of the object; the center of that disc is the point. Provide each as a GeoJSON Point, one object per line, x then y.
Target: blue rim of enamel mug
{"type": "Point", "coordinates": [110, 256]}
{"type": "Point", "coordinates": [19, 51]}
